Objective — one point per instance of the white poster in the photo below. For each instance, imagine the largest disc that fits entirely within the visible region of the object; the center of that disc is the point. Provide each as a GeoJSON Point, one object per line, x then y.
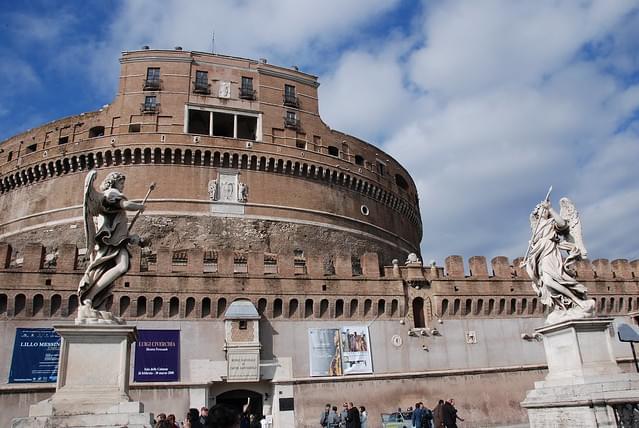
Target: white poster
{"type": "Point", "coordinates": [339, 351]}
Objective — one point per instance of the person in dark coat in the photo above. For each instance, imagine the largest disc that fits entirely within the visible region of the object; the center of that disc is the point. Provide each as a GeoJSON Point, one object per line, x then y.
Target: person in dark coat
{"type": "Point", "coordinates": [438, 415]}
{"type": "Point", "coordinates": [418, 416]}
{"type": "Point", "coordinates": [450, 414]}
{"type": "Point", "coordinates": [352, 417]}
{"type": "Point", "coordinates": [324, 416]}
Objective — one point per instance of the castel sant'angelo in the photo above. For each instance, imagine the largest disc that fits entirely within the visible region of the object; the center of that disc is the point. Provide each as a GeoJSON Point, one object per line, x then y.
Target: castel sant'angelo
{"type": "Point", "coordinates": [267, 231]}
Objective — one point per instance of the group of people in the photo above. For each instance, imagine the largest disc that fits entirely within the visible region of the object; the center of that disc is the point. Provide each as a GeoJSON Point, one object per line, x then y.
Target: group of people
{"type": "Point", "coordinates": [219, 416]}
{"type": "Point", "coordinates": [444, 415]}
{"type": "Point", "coordinates": [349, 417]}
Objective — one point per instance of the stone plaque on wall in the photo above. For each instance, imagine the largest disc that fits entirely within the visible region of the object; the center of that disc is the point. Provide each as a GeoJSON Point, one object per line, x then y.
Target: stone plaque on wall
{"type": "Point", "coordinates": [243, 366]}
{"type": "Point", "coordinates": [224, 89]}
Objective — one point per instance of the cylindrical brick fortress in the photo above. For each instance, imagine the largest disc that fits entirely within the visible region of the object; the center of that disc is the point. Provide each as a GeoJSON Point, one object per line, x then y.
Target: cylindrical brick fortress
{"type": "Point", "coordinates": [240, 156]}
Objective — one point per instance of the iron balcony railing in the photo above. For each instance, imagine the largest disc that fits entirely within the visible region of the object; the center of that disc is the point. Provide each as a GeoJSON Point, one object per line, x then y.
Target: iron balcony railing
{"type": "Point", "coordinates": [149, 107]}
{"type": "Point", "coordinates": [201, 87]}
{"type": "Point", "coordinates": [290, 122]}
{"type": "Point", "coordinates": [291, 101]}
{"type": "Point", "coordinates": [152, 84]}
{"type": "Point", "coordinates": [247, 93]}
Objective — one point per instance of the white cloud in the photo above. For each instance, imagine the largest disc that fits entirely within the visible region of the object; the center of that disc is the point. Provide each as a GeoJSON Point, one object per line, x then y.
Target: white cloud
{"type": "Point", "coordinates": [512, 102]}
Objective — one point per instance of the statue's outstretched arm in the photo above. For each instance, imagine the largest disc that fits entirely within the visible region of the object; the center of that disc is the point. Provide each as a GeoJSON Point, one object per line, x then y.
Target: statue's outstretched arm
{"type": "Point", "coordinates": [131, 206]}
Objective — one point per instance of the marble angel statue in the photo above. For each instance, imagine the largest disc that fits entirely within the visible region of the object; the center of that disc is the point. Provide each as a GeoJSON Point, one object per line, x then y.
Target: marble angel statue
{"type": "Point", "coordinates": [106, 246]}
{"type": "Point", "coordinates": [555, 246]}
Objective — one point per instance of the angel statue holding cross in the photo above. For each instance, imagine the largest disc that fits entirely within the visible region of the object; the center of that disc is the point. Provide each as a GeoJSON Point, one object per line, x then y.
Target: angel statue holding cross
{"type": "Point", "coordinates": [107, 246]}
{"type": "Point", "coordinates": [555, 246]}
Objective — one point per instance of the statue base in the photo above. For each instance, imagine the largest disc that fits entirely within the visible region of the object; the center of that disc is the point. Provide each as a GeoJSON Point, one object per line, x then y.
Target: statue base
{"type": "Point", "coordinates": [584, 386]}
{"type": "Point", "coordinates": [93, 381]}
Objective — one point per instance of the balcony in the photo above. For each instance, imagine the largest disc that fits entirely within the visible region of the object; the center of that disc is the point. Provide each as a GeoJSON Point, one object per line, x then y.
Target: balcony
{"type": "Point", "coordinates": [149, 108]}
{"type": "Point", "coordinates": [291, 101]}
{"type": "Point", "coordinates": [152, 84]}
{"type": "Point", "coordinates": [247, 93]}
{"type": "Point", "coordinates": [200, 87]}
{"type": "Point", "coordinates": [291, 123]}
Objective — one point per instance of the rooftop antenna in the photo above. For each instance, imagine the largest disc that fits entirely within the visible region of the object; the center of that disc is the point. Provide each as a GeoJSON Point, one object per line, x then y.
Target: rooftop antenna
{"type": "Point", "coordinates": [213, 43]}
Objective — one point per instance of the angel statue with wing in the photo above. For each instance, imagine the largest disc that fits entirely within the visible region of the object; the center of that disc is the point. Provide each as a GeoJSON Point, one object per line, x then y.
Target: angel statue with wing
{"type": "Point", "coordinates": [106, 246]}
{"type": "Point", "coordinates": [555, 246]}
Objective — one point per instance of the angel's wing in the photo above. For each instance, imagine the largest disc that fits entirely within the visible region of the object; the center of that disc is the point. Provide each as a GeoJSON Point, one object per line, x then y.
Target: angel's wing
{"type": "Point", "coordinates": [570, 214]}
{"type": "Point", "coordinates": [90, 208]}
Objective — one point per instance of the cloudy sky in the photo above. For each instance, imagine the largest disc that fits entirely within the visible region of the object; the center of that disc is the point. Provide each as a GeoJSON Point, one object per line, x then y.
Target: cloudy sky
{"type": "Point", "coordinates": [487, 103]}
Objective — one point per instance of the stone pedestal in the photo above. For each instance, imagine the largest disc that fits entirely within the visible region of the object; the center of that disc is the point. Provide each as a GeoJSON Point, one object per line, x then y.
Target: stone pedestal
{"type": "Point", "coordinates": [93, 381]}
{"type": "Point", "coordinates": [584, 386]}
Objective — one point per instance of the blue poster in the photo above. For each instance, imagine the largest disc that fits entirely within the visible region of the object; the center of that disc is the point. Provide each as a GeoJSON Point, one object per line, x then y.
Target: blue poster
{"type": "Point", "coordinates": [35, 356]}
{"type": "Point", "coordinates": [157, 356]}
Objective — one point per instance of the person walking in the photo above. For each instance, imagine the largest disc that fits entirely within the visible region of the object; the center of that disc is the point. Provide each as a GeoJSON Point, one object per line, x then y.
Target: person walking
{"type": "Point", "coordinates": [450, 414]}
{"type": "Point", "coordinates": [438, 415]}
{"type": "Point", "coordinates": [324, 415]}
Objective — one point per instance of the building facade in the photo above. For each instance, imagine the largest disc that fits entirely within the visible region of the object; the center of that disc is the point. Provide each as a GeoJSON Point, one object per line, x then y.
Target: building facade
{"type": "Point", "coordinates": [266, 227]}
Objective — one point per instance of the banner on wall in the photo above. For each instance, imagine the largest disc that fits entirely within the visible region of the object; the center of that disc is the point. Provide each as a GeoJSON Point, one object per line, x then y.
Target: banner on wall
{"type": "Point", "coordinates": [339, 351]}
{"type": "Point", "coordinates": [157, 356]}
{"type": "Point", "coordinates": [36, 352]}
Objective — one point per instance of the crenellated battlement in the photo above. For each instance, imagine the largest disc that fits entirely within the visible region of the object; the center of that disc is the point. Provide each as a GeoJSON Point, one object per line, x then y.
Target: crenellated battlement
{"type": "Point", "coordinates": [68, 258]}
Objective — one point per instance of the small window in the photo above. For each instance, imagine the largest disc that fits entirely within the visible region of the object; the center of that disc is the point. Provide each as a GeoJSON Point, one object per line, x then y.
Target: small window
{"type": "Point", "coordinates": [243, 324]}
{"type": "Point", "coordinates": [201, 85]}
{"type": "Point", "coordinates": [381, 168]}
{"type": "Point", "coordinates": [150, 104]}
{"type": "Point", "coordinates": [401, 181]}
{"type": "Point", "coordinates": [300, 144]}
{"type": "Point", "coordinates": [333, 151]}
{"type": "Point", "coordinates": [290, 98]}
{"type": "Point", "coordinates": [96, 131]}
{"type": "Point", "coordinates": [32, 148]}
{"type": "Point", "coordinates": [10, 156]}
{"type": "Point", "coordinates": [291, 119]}
{"type": "Point", "coordinates": [152, 81]}
{"type": "Point", "coordinates": [359, 160]}
{"type": "Point", "coordinates": [246, 89]}
{"type": "Point", "coordinates": [63, 140]}
{"type": "Point", "coordinates": [134, 127]}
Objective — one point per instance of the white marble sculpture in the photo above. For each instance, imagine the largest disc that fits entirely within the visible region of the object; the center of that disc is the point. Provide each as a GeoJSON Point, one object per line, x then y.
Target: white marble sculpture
{"type": "Point", "coordinates": [242, 194]}
{"type": "Point", "coordinates": [106, 246]}
{"type": "Point", "coordinates": [555, 246]}
{"type": "Point", "coordinates": [212, 188]}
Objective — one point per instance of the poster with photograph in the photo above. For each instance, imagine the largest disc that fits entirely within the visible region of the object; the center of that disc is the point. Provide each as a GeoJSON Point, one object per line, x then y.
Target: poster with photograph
{"type": "Point", "coordinates": [339, 351]}
{"type": "Point", "coordinates": [355, 344]}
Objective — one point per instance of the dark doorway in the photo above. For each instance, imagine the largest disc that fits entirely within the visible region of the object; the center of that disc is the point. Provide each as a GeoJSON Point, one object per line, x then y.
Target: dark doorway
{"type": "Point", "coordinates": [237, 398]}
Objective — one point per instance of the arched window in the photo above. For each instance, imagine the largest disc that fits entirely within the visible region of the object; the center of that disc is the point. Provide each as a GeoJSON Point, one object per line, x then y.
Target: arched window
{"type": "Point", "coordinates": [221, 306]}
{"type": "Point", "coordinates": [38, 304]}
{"type": "Point", "coordinates": [56, 304]}
{"type": "Point", "coordinates": [353, 309]}
{"type": "Point", "coordinates": [3, 304]}
{"type": "Point", "coordinates": [394, 307]}
{"type": "Point", "coordinates": [323, 308]}
{"type": "Point", "coordinates": [141, 307]}
{"type": "Point", "coordinates": [261, 306]}
{"type": "Point", "coordinates": [189, 310]}
{"type": "Point", "coordinates": [456, 305]}
{"type": "Point", "coordinates": [157, 306]}
{"type": "Point", "coordinates": [277, 308]}
{"type": "Point", "coordinates": [73, 305]}
{"type": "Point", "coordinates": [368, 303]}
{"type": "Point", "coordinates": [308, 308]}
{"type": "Point", "coordinates": [206, 307]}
{"type": "Point", "coordinates": [292, 308]}
{"type": "Point", "coordinates": [174, 307]}
{"type": "Point", "coordinates": [19, 304]}
{"type": "Point", "coordinates": [381, 307]}
{"type": "Point", "coordinates": [444, 307]}
{"type": "Point", "coordinates": [339, 308]}
{"type": "Point", "coordinates": [125, 302]}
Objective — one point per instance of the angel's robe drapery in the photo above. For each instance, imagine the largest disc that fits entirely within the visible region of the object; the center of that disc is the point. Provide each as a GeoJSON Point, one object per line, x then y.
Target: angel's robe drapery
{"type": "Point", "coordinates": [547, 269]}
{"type": "Point", "coordinates": [111, 238]}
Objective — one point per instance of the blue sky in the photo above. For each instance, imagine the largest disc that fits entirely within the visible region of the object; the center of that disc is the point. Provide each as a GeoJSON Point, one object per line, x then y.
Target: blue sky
{"type": "Point", "coordinates": [486, 103]}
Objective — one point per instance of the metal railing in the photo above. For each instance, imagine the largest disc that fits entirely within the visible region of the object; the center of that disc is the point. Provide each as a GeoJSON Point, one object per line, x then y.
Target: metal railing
{"type": "Point", "coordinates": [289, 122]}
{"type": "Point", "coordinates": [152, 84]}
{"type": "Point", "coordinates": [149, 107]}
{"type": "Point", "coordinates": [291, 100]}
{"type": "Point", "coordinates": [247, 93]}
{"type": "Point", "coordinates": [200, 87]}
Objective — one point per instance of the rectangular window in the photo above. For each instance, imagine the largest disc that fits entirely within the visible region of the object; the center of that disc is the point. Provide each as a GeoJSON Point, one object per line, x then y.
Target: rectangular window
{"type": "Point", "coordinates": [152, 81]}
{"type": "Point", "coordinates": [381, 168]}
{"type": "Point", "coordinates": [10, 156]}
{"type": "Point", "coordinates": [243, 325]}
{"type": "Point", "coordinates": [134, 127]}
{"type": "Point", "coordinates": [246, 89]}
{"type": "Point", "coordinates": [290, 98]}
{"type": "Point", "coordinates": [63, 140]}
{"type": "Point", "coordinates": [291, 119]}
{"type": "Point", "coordinates": [150, 104]}
{"type": "Point", "coordinates": [223, 125]}
{"type": "Point", "coordinates": [199, 122]}
{"type": "Point", "coordinates": [32, 148]}
{"type": "Point", "coordinates": [300, 144]}
{"type": "Point", "coordinates": [201, 84]}
{"type": "Point", "coordinates": [246, 127]}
